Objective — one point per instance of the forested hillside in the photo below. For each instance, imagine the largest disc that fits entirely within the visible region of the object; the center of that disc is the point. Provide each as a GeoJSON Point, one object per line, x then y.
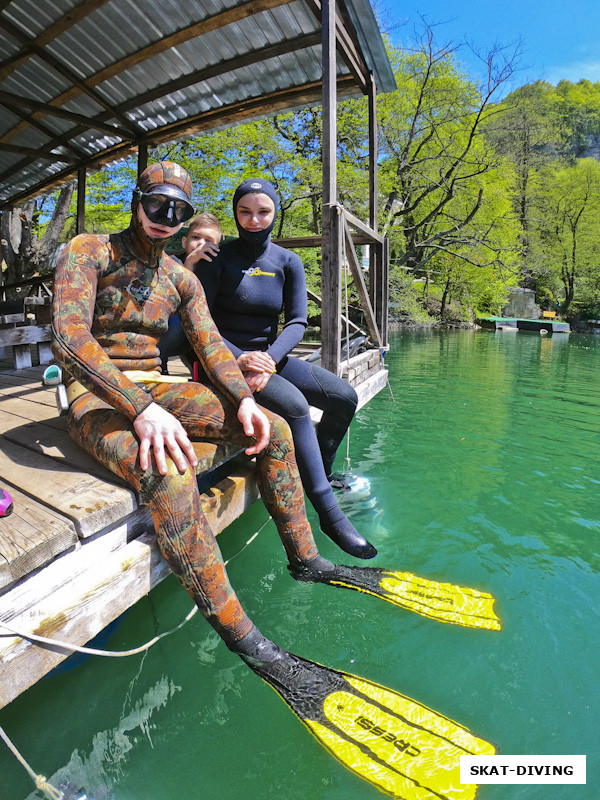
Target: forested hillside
{"type": "Point", "coordinates": [478, 191]}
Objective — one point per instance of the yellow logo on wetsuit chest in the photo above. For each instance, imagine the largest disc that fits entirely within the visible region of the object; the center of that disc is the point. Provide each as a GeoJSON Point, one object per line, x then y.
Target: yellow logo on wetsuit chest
{"type": "Point", "coordinates": [255, 271]}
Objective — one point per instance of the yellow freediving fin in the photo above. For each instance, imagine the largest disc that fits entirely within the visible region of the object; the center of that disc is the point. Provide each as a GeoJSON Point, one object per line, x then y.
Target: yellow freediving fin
{"type": "Point", "coordinates": [400, 746]}
{"type": "Point", "coordinates": [445, 602]}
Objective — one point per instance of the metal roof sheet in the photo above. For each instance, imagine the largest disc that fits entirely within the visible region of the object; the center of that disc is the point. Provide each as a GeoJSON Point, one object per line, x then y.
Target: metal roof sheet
{"type": "Point", "coordinates": [85, 81]}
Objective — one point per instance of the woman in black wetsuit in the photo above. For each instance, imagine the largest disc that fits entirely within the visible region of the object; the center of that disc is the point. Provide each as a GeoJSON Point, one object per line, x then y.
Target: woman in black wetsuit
{"type": "Point", "coordinates": [247, 285]}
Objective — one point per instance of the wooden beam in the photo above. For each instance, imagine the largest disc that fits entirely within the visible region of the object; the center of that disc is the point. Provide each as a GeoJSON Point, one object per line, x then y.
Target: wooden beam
{"type": "Point", "coordinates": [319, 301]}
{"type": "Point", "coordinates": [35, 153]}
{"type": "Point", "coordinates": [345, 46]}
{"type": "Point", "coordinates": [66, 21]}
{"type": "Point", "coordinates": [215, 22]}
{"type": "Point", "coordinates": [290, 242]}
{"type": "Point", "coordinates": [239, 112]}
{"type": "Point", "coordinates": [357, 223]}
{"type": "Point", "coordinates": [12, 101]}
{"type": "Point", "coordinates": [223, 67]}
{"type": "Point", "coordinates": [373, 153]}
{"type": "Point", "coordinates": [65, 71]}
{"type": "Point", "coordinates": [359, 283]}
{"type": "Point", "coordinates": [81, 178]}
{"type": "Point", "coordinates": [210, 23]}
{"type": "Point", "coordinates": [142, 160]}
{"type": "Point", "coordinates": [331, 288]}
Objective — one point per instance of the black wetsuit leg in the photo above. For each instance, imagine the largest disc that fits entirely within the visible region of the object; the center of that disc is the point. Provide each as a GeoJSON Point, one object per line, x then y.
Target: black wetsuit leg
{"type": "Point", "coordinates": [333, 395]}
{"type": "Point", "coordinates": [290, 402]}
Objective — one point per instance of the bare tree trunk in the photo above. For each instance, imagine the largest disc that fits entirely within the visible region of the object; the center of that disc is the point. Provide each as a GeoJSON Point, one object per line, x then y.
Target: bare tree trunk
{"type": "Point", "coordinates": [23, 252]}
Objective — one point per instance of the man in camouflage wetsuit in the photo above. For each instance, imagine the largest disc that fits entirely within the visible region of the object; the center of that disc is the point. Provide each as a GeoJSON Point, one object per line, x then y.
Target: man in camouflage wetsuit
{"type": "Point", "coordinates": [113, 297]}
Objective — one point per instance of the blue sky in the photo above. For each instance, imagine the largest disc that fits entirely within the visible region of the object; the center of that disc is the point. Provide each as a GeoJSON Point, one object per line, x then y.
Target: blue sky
{"type": "Point", "coordinates": [560, 40]}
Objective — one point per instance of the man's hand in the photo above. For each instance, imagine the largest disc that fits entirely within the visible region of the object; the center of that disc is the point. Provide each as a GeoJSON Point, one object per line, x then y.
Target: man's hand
{"type": "Point", "coordinates": [257, 361]}
{"type": "Point", "coordinates": [155, 428]}
{"type": "Point", "coordinates": [204, 252]}
{"type": "Point", "coordinates": [255, 424]}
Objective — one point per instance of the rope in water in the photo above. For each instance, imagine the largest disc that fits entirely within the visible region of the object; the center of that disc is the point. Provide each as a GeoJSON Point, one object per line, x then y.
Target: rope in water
{"type": "Point", "coordinates": [40, 781]}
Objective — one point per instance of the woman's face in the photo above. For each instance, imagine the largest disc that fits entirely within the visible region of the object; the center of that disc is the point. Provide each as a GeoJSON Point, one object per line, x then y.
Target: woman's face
{"type": "Point", "coordinates": [255, 212]}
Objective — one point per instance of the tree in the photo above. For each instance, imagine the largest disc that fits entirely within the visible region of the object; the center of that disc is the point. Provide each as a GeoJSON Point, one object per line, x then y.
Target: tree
{"type": "Point", "coordinates": [435, 156]}
{"type": "Point", "coordinates": [570, 232]}
{"type": "Point", "coordinates": [27, 249]}
{"type": "Point", "coordinates": [530, 133]}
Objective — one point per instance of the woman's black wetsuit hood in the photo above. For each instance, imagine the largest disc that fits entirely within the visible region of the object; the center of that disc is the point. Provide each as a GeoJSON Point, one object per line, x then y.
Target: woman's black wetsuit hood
{"type": "Point", "coordinates": [255, 186]}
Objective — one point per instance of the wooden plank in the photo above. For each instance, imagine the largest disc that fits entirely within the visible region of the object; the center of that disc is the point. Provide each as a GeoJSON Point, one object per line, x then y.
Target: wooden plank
{"type": "Point", "coordinates": [11, 387]}
{"type": "Point", "coordinates": [361, 226]}
{"type": "Point", "coordinates": [11, 319]}
{"type": "Point", "coordinates": [31, 537]}
{"type": "Point", "coordinates": [372, 386]}
{"type": "Point", "coordinates": [21, 356]}
{"type": "Point", "coordinates": [28, 409]}
{"type": "Point", "coordinates": [93, 597]}
{"type": "Point", "coordinates": [77, 612]}
{"type": "Point", "coordinates": [26, 334]}
{"type": "Point", "coordinates": [90, 502]}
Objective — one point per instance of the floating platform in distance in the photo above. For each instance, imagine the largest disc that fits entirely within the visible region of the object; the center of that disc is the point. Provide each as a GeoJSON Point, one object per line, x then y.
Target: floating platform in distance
{"type": "Point", "coordinates": [515, 324]}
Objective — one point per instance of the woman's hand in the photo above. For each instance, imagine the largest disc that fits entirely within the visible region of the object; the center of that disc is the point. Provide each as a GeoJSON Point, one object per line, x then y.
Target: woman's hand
{"type": "Point", "coordinates": [257, 361]}
{"type": "Point", "coordinates": [155, 428]}
{"type": "Point", "coordinates": [255, 424]}
{"type": "Point", "coordinates": [257, 380]}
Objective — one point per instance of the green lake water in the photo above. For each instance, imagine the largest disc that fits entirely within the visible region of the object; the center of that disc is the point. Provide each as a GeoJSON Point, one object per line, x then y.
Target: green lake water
{"type": "Point", "coordinates": [485, 471]}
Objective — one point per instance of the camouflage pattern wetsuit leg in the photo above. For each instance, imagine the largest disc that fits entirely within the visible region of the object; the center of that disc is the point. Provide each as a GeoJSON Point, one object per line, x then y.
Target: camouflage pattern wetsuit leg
{"type": "Point", "coordinates": [184, 536]}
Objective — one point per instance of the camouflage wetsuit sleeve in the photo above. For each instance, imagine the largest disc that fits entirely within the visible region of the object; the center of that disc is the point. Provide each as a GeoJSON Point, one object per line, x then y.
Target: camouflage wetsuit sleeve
{"type": "Point", "coordinates": [74, 344]}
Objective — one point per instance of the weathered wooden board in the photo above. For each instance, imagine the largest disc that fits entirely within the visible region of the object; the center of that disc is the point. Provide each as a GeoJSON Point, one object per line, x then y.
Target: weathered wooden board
{"type": "Point", "coordinates": [31, 537]}
{"type": "Point", "coordinates": [28, 409]}
{"type": "Point", "coordinates": [11, 387]}
{"type": "Point", "coordinates": [26, 334]}
{"type": "Point", "coordinates": [90, 502]}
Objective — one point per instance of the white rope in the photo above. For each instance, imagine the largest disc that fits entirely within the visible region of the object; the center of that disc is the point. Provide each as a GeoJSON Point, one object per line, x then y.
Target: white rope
{"type": "Point", "coordinates": [40, 781]}
{"type": "Point", "coordinates": [91, 651]}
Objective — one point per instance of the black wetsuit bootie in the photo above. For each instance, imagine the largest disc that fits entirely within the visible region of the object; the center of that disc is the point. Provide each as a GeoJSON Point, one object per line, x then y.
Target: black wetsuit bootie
{"type": "Point", "coordinates": [334, 524]}
{"type": "Point", "coordinates": [255, 649]}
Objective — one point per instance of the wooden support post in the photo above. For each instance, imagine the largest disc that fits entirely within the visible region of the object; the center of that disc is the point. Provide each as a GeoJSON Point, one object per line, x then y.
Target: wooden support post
{"type": "Point", "coordinates": [142, 158]}
{"type": "Point", "coordinates": [81, 176]}
{"type": "Point", "coordinates": [379, 289]}
{"type": "Point", "coordinates": [331, 287]}
{"type": "Point", "coordinates": [373, 153]}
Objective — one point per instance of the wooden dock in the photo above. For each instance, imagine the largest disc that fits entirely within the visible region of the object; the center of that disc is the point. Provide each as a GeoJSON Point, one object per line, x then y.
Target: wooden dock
{"type": "Point", "coordinates": [78, 550]}
{"type": "Point", "coordinates": [546, 324]}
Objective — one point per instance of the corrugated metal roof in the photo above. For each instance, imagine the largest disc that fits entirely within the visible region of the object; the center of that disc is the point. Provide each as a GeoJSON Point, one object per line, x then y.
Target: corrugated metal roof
{"type": "Point", "coordinates": [86, 81]}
